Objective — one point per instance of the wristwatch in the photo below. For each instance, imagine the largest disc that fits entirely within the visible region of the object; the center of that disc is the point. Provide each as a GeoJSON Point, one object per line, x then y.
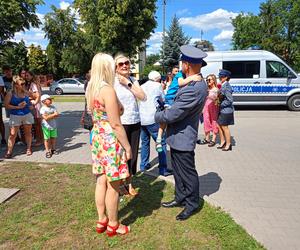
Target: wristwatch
{"type": "Point", "coordinates": [129, 85]}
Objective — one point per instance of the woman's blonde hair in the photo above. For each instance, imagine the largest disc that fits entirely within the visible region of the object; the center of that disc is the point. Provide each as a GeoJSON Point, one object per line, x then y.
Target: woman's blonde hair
{"type": "Point", "coordinates": [214, 79]}
{"type": "Point", "coordinates": [16, 81]}
{"type": "Point", "coordinates": [102, 73]}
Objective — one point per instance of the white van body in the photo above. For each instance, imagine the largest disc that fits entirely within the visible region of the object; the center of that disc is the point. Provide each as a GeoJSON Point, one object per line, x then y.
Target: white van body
{"type": "Point", "coordinates": [258, 77]}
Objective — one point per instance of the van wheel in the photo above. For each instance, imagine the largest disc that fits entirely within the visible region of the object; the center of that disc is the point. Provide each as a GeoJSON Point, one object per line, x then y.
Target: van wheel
{"type": "Point", "coordinates": [58, 91]}
{"type": "Point", "coordinates": [294, 103]}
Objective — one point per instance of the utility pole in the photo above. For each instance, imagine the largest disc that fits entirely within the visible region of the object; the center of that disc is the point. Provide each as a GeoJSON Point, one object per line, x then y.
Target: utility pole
{"type": "Point", "coordinates": [164, 30]}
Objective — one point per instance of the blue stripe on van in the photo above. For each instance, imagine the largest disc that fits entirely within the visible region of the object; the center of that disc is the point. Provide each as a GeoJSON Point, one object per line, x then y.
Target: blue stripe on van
{"type": "Point", "coordinates": [262, 89]}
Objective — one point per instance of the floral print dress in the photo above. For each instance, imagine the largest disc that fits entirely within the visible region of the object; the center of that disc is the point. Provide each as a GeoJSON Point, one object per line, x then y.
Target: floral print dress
{"type": "Point", "coordinates": [108, 156]}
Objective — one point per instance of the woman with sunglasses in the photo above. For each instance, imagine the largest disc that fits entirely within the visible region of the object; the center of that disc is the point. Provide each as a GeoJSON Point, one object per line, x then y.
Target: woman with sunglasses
{"type": "Point", "coordinates": [129, 93]}
{"type": "Point", "coordinates": [226, 116]}
{"type": "Point", "coordinates": [210, 111]}
{"type": "Point", "coordinates": [18, 103]}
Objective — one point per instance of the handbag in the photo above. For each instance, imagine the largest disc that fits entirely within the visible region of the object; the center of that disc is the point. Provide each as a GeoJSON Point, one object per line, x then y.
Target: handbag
{"type": "Point", "coordinates": [87, 119]}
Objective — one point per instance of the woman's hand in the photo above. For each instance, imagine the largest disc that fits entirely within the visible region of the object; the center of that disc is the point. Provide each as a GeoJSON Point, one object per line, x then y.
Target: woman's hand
{"type": "Point", "coordinates": [128, 154]}
{"type": "Point", "coordinates": [123, 80]}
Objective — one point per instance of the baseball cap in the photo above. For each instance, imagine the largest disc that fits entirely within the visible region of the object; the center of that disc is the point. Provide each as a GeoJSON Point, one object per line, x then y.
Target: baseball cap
{"type": "Point", "coordinates": [45, 97]}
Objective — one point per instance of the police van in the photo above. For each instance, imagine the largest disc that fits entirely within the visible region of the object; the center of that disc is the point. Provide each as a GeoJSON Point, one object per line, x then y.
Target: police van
{"type": "Point", "coordinates": [258, 77]}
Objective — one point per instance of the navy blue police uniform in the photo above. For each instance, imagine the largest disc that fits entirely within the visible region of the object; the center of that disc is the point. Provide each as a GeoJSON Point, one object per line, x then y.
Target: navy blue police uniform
{"type": "Point", "coordinates": [182, 119]}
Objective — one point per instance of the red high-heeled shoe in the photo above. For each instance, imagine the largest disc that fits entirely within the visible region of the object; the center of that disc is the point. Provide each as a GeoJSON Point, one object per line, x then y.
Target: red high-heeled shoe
{"type": "Point", "coordinates": [113, 230]}
{"type": "Point", "coordinates": [102, 228]}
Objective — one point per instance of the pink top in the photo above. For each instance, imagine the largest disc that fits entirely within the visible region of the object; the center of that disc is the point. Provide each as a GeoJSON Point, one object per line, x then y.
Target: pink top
{"type": "Point", "coordinates": [213, 93]}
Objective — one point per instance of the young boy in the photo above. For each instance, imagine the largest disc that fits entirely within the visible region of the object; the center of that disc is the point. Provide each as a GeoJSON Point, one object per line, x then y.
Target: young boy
{"type": "Point", "coordinates": [178, 81]}
{"type": "Point", "coordinates": [49, 127]}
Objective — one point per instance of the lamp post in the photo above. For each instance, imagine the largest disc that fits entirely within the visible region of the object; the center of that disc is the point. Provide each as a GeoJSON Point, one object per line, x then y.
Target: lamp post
{"type": "Point", "coordinates": [164, 27]}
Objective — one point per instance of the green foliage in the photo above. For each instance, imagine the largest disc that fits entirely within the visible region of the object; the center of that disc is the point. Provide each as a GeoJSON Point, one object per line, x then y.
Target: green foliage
{"type": "Point", "coordinates": [205, 45]}
{"type": "Point", "coordinates": [149, 68]}
{"type": "Point", "coordinates": [117, 26]}
{"type": "Point", "coordinates": [151, 59]}
{"type": "Point", "coordinates": [172, 41]}
{"type": "Point", "coordinates": [36, 59]}
{"type": "Point", "coordinates": [17, 15]}
{"type": "Point", "coordinates": [275, 28]}
{"type": "Point", "coordinates": [14, 55]}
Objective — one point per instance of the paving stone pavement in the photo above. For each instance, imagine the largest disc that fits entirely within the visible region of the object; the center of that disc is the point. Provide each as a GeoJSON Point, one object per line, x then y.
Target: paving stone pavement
{"type": "Point", "coordinates": [257, 183]}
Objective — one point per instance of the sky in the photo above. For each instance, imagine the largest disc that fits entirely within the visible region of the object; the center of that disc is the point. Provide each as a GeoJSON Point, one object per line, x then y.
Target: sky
{"type": "Point", "coordinates": [212, 17]}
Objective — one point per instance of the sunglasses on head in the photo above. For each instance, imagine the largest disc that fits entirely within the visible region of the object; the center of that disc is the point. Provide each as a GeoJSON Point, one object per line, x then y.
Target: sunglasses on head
{"type": "Point", "coordinates": [120, 64]}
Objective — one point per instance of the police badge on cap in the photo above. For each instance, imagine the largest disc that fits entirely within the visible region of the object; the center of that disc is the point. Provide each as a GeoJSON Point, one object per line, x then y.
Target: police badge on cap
{"type": "Point", "coordinates": [192, 55]}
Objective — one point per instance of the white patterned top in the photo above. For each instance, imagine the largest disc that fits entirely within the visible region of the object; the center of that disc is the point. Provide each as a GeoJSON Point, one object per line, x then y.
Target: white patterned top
{"type": "Point", "coordinates": [131, 113]}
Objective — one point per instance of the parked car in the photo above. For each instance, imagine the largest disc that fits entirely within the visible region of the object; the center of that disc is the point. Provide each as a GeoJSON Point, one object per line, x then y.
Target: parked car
{"type": "Point", "coordinates": [258, 77]}
{"type": "Point", "coordinates": [67, 86]}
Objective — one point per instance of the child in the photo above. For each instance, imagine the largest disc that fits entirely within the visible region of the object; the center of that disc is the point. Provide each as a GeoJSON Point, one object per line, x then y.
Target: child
{"type": "Point", "coordinates": [49, 127]}
{"type": "Point", "coordinates": [178, 81]}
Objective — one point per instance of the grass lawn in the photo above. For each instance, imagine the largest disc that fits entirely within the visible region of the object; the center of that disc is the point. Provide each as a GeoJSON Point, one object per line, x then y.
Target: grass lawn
{"type": "Point", "coordinates": [55, 210]}
{"type": "Point", "coordinates": [65, 98]}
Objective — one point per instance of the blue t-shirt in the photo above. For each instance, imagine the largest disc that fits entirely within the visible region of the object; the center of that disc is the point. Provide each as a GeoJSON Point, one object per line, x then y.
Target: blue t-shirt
{"type": "Point", "coordinates": [15, 101]}
{"type": "Point", "coordinates": [173, 88]}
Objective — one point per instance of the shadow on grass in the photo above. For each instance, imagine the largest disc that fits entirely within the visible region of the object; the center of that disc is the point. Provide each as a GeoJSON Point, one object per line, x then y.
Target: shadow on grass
{"type": "Point", "coordinates": [147, 201]}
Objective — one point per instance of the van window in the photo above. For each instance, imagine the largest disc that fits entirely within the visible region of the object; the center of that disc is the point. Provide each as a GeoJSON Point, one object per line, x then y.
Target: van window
{"type": "Point", "coordinates": [242, 69]}
{"type": "Point", "coordinates": [276, 70]}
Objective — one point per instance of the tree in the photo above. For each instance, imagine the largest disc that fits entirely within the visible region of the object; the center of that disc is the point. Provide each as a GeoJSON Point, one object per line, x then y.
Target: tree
{"type": "Point", "coordinates": [62, 31]}
{"type": "Point", "coordinates": [151, 59]}
{"type": "Point", "coordinates": [14, 55]}
{"type": "Point", "coordinates": [117, 26]}
{"type": "Point", "coordinates": [174, 38]}
{"type": "Point", "coordinates": [17, 15]}
{"type": "Point", "coordinates": [205, 45]}
{"type": "Point", "coordinates": [36, 59]}
{"type": "Point", "coordinates": [275, 28]}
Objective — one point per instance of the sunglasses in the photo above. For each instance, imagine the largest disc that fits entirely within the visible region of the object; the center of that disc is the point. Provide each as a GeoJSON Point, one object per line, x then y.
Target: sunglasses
{"type": "Point", "coordinates": [120, 64]}
{"type": "Point", "coordinates": [209, 79]}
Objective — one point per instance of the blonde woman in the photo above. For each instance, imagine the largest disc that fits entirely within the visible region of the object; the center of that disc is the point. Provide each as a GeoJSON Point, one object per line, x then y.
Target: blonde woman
{"type": "Point", "coordinates": [19, 106]}
{"type": "Point", "coordinates": [129, 93]}
{"type": "Point", "coordinates": [110, 147]}
{"type": "Point", "coordinates": [211, 111]}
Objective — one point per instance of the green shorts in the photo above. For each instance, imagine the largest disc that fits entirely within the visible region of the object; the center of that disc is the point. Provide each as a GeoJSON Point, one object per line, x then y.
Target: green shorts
{"type": "Point", "coordinates": [49, 133]}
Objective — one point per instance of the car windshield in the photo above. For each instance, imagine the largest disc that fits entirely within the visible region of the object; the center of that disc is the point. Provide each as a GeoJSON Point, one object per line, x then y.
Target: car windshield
{"type": "Point", "coordinates": [80, 80]}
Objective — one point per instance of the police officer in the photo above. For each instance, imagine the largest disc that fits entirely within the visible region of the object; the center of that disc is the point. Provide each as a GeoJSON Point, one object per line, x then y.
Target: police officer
{"type": "Point", "coordinates": [182, 130]}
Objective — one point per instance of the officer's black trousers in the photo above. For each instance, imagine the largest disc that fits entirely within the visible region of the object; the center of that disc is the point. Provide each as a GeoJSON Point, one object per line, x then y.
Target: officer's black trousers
{"type": "Point", "coordinates": [186, 178]}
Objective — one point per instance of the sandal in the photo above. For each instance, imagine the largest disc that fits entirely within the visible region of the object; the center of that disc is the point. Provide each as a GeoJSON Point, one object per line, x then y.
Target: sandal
{"type": "Point", "coordinates": [8, 156]}
{"type": "Point", "coordinates": [158, 146]}
{"type": "Point", "coordinates": [28, 152]}
{"type": "Point", "coordinates": [212, 143]}
{"type": "Point", "coordinates": [48, 155]}
{"type": "Point", "coordinates": [204, 142]}
{"type": "Point", "coordinates": [133, 192]}
{"type": "Point", "coordinates": [54, 152]}
{"type": "Point", "coordinates": [113, 230]}
{"type": "Point", "coordinates": [101, 226]}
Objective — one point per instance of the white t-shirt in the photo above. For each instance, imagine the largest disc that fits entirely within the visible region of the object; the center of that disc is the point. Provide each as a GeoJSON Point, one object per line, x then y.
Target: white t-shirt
{"type": "Point", "coordinates": [154, 91]}
{"type": "Point", "coordinates": [131, 110]}
{"type": "Point", "coordinates": [50, 124]}
{"type": "Point", "coordinates": [1, 85]}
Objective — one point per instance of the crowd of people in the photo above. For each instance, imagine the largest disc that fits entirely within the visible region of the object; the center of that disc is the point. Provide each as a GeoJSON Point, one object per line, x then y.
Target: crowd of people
{"type": "Point", "coordinates": [121, 112]}
{"type": "Point", "coordinates": [26, 108]}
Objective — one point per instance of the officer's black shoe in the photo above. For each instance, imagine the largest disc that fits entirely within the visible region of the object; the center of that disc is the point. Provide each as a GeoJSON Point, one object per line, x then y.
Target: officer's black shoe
{"type": "Point", "coordinates": [165, 172]}
{"type": "Point", "coordinates": [172, 203]}
{"type": "Point", "coordinates": [186, 213]}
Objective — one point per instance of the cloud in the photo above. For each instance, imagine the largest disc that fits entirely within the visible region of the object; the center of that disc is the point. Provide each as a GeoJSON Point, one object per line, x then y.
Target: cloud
{"type": "Point", "coordinates": [156, 37]}
{"type": "Point", "coordinates": [218, 19]}
{"type": "Point", "coordinates": [224, 35]}
{"type": "Point", "coordinates": [64, 5]}
{"type": "Point", "coordinates": [183, 12]}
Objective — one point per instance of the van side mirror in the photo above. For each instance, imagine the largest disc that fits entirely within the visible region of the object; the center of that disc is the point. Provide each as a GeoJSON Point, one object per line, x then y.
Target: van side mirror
{"type": "Point", "coordinates": [291, 75]}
